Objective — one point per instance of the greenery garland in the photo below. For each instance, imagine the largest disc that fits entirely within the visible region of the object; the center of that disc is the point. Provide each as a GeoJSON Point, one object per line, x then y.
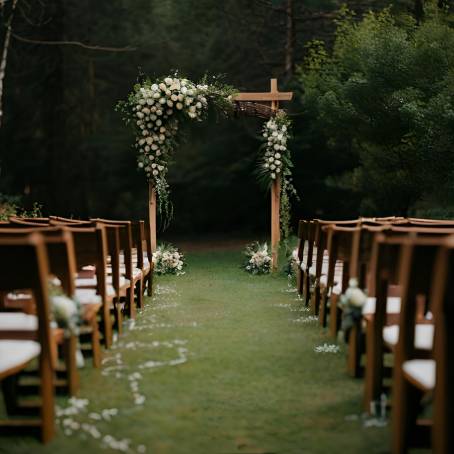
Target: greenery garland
{"type": "Point", "coordinates": [155, 110]}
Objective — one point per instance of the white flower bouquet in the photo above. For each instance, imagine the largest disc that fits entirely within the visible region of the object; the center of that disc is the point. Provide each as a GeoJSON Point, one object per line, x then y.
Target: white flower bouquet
{"type": "Point", "coordinates": [168, 260]}
{"type": "Point", "coordinates": [276, 133]}
{"type": "Point", "coordinates": [67, 312]}
{"type": "Point", "coordinates": [258, 259]}
{"type": "Point", "coordinates": [352, 301]}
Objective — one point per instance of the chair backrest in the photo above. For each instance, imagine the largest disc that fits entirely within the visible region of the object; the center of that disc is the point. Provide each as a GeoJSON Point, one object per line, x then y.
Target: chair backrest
{"type": "Point", "coordinates": [60, 251]}
{"type": "Point", "coordinates": [126, 242]}
{"type": "Point", "coordinates": [91, 248]}
{"type": "Point", "coordinates": [24, 264]}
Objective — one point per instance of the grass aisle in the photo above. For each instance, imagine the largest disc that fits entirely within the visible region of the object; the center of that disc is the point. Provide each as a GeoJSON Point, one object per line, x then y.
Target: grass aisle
{"type": "Point", "coordinates": [217, 363]}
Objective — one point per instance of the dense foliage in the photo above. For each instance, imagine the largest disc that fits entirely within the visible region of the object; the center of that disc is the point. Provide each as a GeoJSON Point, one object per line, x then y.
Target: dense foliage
{"type": "Point", "coordinates": [69, 61]}
{"type": "Point", "coordinates": [384, 97]}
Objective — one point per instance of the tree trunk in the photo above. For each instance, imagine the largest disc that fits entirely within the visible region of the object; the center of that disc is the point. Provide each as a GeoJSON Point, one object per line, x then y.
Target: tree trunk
{"type": "Point", "coordinates": [290, 41]}
{"type": "Point", "coordinates": [4, 59]}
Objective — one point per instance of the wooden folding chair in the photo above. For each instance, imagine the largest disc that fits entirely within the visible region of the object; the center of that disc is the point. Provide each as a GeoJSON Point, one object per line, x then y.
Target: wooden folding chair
{"type": "Point", "coordinates": [392, 266]}
{"type": "Point", "coordinates": [91, 249]}
{"type": "Point", "coordinates": [15, 355]}
{"type": "Point", "coordinates": [131, 272]}
{"type": "Point", "coordinates": [414, 377]}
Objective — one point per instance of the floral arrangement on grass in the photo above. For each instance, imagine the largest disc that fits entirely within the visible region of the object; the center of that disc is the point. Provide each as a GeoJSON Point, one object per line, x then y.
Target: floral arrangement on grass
{"type": "Point", "coordinates": [352, 302]}
{"type": "Point", "coordinates": [292, 265]}
{"type": "Point", "coordinates": [156, 108]}
{"type": "Point", "coordinates": [67, 312]}
{"type": "Point", "coordinates": [168, 259]}
{"type": "Point", "coordinates": [258, 258]}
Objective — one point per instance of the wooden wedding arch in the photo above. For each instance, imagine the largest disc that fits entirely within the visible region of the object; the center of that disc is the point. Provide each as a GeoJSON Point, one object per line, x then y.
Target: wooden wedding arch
{"type": "Point", "coordinates": [264, 105]}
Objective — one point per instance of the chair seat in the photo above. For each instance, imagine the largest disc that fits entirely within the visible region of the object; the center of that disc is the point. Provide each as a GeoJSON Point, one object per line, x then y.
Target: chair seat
{"type": "Point", "coordinates": [424, 335]}
{"type": "Point", "coordinates": [86, 282]}
{"type": "Point", "coordinates": [87, 296]}
{"type": "Point", "coordinates": [93, 282]}
{"type": "Point", "coordinates": [392, 305]}
{"type": "Point", "coordinates": [18, 321]}
{"type": "Point", "coordinates": [15, 353]}
{"type": "Point", "coordinates": [421, 371]}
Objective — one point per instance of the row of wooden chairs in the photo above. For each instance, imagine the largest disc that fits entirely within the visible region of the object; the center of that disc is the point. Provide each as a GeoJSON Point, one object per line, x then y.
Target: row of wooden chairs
{"type": "Point", "coordinates": [405, 266]}
{"type": "Point", "coordinates": [105, 264]}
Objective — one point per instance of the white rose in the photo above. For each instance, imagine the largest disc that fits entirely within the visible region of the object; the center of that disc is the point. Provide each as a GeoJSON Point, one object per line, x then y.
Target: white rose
{"type": "Point", "coordinates": [170, 103]}
{"type": "Point", "coordinates": [155, 172]}
{"type": "Point", "coordinates": [168, 81]}
{"type": "Point", "coordinates": [179, 106]}
{"type": "Point", "coordinates": [162, 100]}
{"type": "Point", "coordinates": [277, 156]}
{"type": "Point", "coordinates": [162, 86]}
{"type": "Point", "coordinates": [150, 102]}
{"type": "Point", "coordinates": [154, 87]}
{"type": "Point", "coordinates": [174, 98]}
{"type": "Point", "coordinates": [156, 95]}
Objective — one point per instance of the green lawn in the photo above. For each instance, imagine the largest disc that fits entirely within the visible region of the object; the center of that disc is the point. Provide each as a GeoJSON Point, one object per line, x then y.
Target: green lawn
{"type": "Point", "coordinates": [225, 368]}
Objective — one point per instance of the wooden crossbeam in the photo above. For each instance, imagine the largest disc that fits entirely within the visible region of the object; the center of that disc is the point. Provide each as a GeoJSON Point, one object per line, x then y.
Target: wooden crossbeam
{"type": "Point", "coordinates": [274, 95]}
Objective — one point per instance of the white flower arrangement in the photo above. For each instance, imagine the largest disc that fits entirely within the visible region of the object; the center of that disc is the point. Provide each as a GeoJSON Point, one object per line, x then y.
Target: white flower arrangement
{"type": "Point", "coordinates": [66, 311]}
{"type": "Point", "coordinates": [258, 259]}
{"type": "Point", "coordinates": [275, 164]}
{"type": "Point", "coordinates": [276, 134]}
{"type": "Point", "coordinates": [352, 301]}
{"type": "Point", "coordinates": [168, 260]}
{"type": "Point", "coordinates": [155, 110]}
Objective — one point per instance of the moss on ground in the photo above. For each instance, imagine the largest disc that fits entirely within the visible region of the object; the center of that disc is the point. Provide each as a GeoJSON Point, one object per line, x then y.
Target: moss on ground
{"type": "Point", "coordinates": [251, 382]}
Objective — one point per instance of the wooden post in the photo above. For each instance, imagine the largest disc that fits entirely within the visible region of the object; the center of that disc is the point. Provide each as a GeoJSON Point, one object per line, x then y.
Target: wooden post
{"type": "Point", "coordinates": [152, 215]}
{"type": "Point", "coordinates": [275, 221]}
{"type": "Point", "coordinates": [275, 199]}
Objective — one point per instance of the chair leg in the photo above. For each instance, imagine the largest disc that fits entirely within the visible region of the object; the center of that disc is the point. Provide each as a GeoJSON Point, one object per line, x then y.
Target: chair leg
{"type": "Point", "coordinates": [47, 399]}
{"type": "Point", "coordinates": [150, 283]}
{"type": "Point", "coordinates": [107, 325]}
{"type": "Point", "coordinates": [131, 307]}
{"type": "Point", "coordinates": [69, 355]}
{"type": "Point", "coordinates": [95, 343]}
{"type": "Point", "coordinates": [118, 314]}
{"type": "Point", "coordinates": [323, 309]}
{"type": "Point", "coordinates": [374, 367]}
{"type": "Point", "coordinates": [9, 389]}
{"type": "Point", "coordinates": [406, 401]}
{"type": "Point", "coordinates": [140, 287]}
{"type": "Point", "coordinates": [354, 352]}
{"type": "Point", "coordinates": [333, 316]}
